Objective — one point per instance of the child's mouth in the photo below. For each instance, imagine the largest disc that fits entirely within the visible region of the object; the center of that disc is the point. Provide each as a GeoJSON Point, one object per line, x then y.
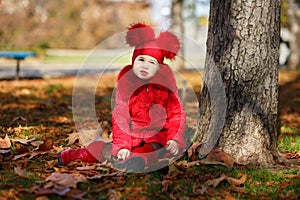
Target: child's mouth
{"type": "Point", "coordinates": [144, 73]}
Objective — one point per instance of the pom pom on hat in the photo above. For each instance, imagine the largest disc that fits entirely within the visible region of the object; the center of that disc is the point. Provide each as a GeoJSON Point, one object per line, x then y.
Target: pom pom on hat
{"type": "Point", "coordinates": [142, 37]}
{"type": "Point", "coordinates": [169, 44]}
{"type": "Point", "coordinates": [138, 34]}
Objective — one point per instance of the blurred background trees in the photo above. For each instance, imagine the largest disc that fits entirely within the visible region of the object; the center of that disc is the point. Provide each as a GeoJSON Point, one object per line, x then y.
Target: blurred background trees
{"type": "Point", "coordinates": [65, 24]}
{"type": "Point", "coordinates": [82, 24]}
{"type": "Point", "coordinates": [290, 34]}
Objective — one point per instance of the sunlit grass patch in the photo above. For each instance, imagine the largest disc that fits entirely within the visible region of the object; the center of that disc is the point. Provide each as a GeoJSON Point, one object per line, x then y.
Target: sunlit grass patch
{"type": "Point", "coordinates": [289, 143]}
{"type": "Point", "coordinates": [289, 140]}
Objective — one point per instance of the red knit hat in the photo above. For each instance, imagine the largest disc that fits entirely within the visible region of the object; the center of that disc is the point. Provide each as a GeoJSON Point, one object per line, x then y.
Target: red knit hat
{"type": "Point", "coordinates": [142, 37]}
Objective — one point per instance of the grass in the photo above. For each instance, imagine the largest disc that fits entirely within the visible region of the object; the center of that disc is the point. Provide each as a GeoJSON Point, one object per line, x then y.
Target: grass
{"type": "Point", "coordinates": [92, 59]}
{"type": "Point", "coordinates": [45, 103]}
{"type": "Point", "coordinates": [289, 143]}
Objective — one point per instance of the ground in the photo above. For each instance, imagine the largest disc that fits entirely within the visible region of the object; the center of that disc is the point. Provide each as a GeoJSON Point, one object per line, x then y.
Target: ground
{"type": "Point", "coordinates": [36, 122]}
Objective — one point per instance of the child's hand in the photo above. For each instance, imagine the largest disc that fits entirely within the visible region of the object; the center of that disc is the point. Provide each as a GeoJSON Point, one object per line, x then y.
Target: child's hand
{"type": "Point", "coordinates": [173, 147]}
{"type": "Point", "coordinates": [123, 153]}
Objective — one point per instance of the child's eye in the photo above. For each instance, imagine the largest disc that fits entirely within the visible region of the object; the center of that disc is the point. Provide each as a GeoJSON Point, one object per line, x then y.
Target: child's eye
{"type": "Point", "coordinates": [141, 59]}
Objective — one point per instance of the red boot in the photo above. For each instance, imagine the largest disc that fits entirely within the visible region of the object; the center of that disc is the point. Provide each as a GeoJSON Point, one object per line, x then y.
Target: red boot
{"type": "Point", "coordinates": [97, 151]}
{"type": "Point", "coordinates": [66, 156]}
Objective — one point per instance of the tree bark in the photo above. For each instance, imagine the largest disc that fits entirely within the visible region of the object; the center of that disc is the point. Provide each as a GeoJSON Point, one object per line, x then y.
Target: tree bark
{"type": "Point", "coordinates": [238, 101]}
{"type": "Point", "coordinates": [178, 26]}
{"type": "Point", "coordinates": [294, 16]}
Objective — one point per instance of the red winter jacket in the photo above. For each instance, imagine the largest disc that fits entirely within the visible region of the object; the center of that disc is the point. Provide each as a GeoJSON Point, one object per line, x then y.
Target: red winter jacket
{"type": "Point", "coordinates": [149, 111]}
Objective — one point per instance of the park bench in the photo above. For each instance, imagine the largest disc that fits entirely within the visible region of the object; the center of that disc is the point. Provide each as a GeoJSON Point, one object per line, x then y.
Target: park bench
{"type": "Point", "coordinates": [18, 56]}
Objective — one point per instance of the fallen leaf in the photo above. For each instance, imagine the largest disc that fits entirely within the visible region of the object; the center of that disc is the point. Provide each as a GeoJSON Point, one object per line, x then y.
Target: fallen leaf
{"type": "Point", "coordinates": [208, 161]}
{"type": "Point", "coordinates": [63, 191]}
{"type": "Point", "coordinates": [21, 172]}
{"type": "Point", "coordinates": [211, 191]}
{"type": "Point", "coordinates": [65, 179]}
{"type": "Point", "coordinates": [23, 141]}
{"type": "Point", "coordinates": [72, 138]}
{"type": "Point", "coordinates": [215, 182]}
{"type": "Point", "coordinates": [217, 156]}
{"type": "Point", "coordinates": [165, 184]}
{"type": "Point", "coordinates": [36, 143]}
{"type": "Point", "coordinates": [41, 198]}
{"type": "Point", "coordinates": [193, 149]}
{"type": "Point", "coordinates": [227, 196]}
{"type": "Point", "coordinates": [19, 118]}
{"type": "Point", "coordinates": [88, 136]}
{"type": "Point", "coordinates": [237, 182]}
{"type": "Point", "coordinates": [104, 175]}
{"type": "Point", "coordinates": [36, 153]}
{"type": "Point", "coordinates": [292, 155]}
{"type": "Point", "coordinates": [231, 181]}
{"type": "Point", "coordinates": [5, 143]}
{"type": "Point", "coordinates": [292, 176]}
{"type": "Point", "coordinates": [11, 193]}
{"type": "Point", "coordinates": [182, 165]}
{"type": "Point", "coordinates": [4, 151]}
{"type": "Point", "coordinates": [113, 195]}
{"type": "Point", "coordinates": [21, 155]}
{"type": "Point", "coordinates": [240, 190]}
{"type": "Point", "coordinates": [57, 149]}
{"type": "Point", "coordinates": [46, 146]}
{"type": "Point", "coordinates": [86, 168]}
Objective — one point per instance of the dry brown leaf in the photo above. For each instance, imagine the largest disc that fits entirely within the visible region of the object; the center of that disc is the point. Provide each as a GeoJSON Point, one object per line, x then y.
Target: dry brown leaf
{"type": "Point", "coordinates": [240, 190]}
{"type": "Point", "coordinates": [105, 175]}
{"type": "Point", "coordinates": [211, 191]}
{"type": "Point", "coordinates": [64, 179]}
{"type": "Point", "coordinates": [217, 156]}
{"type": "Point", "coordinates": [227, 195]}
{"type": "Point", "coordinates": [57, 149]}
{"type": "Point", "coordinates": [23, 141]}
{"type": "Point", "coordinates": [86, 168]}
{"type": "Point", "coordinates": [5, 143]}
{"type": "Point", "coordinates": [165, 184]}
{"type": "Point", "coordinates": [215, 182]}
{"type": "Point", "coordinates": [208, 161]}
{"type": "Point", "coordinates": [11, 193]}
{"type": "Point", "coordinates": [19, 118]}
{"type": "Point", "coordinates": [36, 143]}
{"type": "Point", "coordinates": [292, 155]}
{"type": "Point", "coordinates": [21, 155]}
{"type": "Point", "coordinates": [232, 181]}
{"type": "Point", "coordinates": [62, 191]}
{"type": "Point", "coordinates": [237, 182]}
{"type": "Point", "coordinates": [292, 176]}
{"type": "Point", "coordinates": [46, 146]}
{"type": "Point", "coordinates": [72, 138]}
{"type": "Point", "coordinates": [4, 151]}
{"type": "Point", "coordinates": [185, 164]}
{"type": "Point", "coordinates": [41, 198]}
{"type": "Point", "coordinates": [35, 153]}
{"type": "Point", "coordinates": [21, 172]}
{"type": "Point", "coordinates": [192, 150]}
{"type": "Point", "coordinates": [113, 195]}
{"type": "Point", "coordinates": [88, 136]}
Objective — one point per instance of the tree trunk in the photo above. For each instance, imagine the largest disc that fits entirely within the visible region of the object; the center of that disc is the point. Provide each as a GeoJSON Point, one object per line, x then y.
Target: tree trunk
{"type": "Point", "coordinates": [238, 101]}
{"type": "Point", "coordinates": [178, 26]}
{"type": "Point", "coordinates": [294, 15]}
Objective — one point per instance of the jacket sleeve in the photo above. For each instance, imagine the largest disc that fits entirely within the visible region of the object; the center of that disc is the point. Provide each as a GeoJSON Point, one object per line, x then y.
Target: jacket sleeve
{"type": "Point", "coordinates": [121, 125]}
{"type": "Point", "coordinates": [176, 119]}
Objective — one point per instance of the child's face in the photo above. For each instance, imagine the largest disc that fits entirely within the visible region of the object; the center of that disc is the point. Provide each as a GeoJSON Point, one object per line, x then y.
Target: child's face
{"type": "Point", "coordinates": [145, 67]}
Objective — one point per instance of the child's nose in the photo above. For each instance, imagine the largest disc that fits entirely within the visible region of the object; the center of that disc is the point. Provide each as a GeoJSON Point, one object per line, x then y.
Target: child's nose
{"type": "Point", "coordinates": [145, 65]}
